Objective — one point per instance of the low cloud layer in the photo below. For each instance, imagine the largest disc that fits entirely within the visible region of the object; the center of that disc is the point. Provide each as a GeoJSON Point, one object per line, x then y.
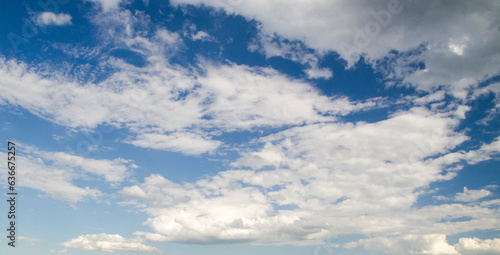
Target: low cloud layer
{"type": "Point", "coordinates": [109, 243]}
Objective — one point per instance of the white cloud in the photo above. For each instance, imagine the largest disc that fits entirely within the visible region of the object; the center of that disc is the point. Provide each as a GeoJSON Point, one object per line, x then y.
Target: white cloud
{"type": "Point", "coordinates": [476, 246]}
{"type": "Point", "coordinates": [434, 244]}
{"type": "Point", "coordinates": [111, 170]}
{"type": "Point", "coordinates": [54, 173]}
{"type": "Point", "coordinates": [472, 195]}
{"type": "Point", "coordinates": [54, 181]}
{"type": "Point", "coordinates": [134, 192]}
{"type": "Point", "coordinates": [52, 19]}
{"type": "Point", "coordinates": [458, 46]}
{"type": "Point", "coordinates": [485, 152]}
{"type": "Point", "coordinates": [109, 243]}
{"type": "Point", "coordinates": [460, 39]}
{"type": "Point", "coordinates": [319, 181]}
{"type": "Point", "coordinates": [216, 213]}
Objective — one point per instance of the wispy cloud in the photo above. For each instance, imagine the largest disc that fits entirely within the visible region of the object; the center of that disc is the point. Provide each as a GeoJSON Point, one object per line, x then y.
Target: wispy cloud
{"type": "Point", "coordinates": [109, 243]}
{"type": "Point", "coordinates": [428, 244]}
{"type": "Point", "coordinates": [172, 103]}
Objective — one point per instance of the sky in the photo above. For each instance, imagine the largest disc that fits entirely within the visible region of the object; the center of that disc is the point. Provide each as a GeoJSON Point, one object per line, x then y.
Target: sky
{"type": "Point", "coordinates": [294, 127]}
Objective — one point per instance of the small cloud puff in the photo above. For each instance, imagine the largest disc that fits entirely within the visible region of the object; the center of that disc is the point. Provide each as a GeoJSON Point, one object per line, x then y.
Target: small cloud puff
{"type": "Point", "coordinates": [107, 5]}
{"type": "Point", "coordinates": [201, 35]}
{"type": "Point", "coordinates": [319, 73]}
{"type": "Point", "coordinates": [52, 19]}
{"type": "Point", "coordinates": [471, 195]}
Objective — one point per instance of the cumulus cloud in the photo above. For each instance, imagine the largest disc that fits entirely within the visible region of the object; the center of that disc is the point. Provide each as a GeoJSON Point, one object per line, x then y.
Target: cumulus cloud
{"type": "Point", "coordinates": [478, 246]}
{"type": "Point", "coordinates": [318, 177]}
{"type": "Point", "coordinates": [54, 181]}
{"type": "Point", "coordinates": [111, 170]}
{"type": "Point", "coordinates": [460, 55]}
{"type": "Point", "coordinates": [435, 244]}
{"type": "Point", "coordinates": [134, 192]}
{"type": "Point", "coordinates": [187, 143]}
{"type": "Point", "coordinates": [109, 243]}
{"type": "Point", "coordinates": [315, 73]}
{"type": "Point", "coordinates": [278, 47]}
{"type": "Point", "coordinates": [318, 181]}
{"type": "Point", "coordinates": [52, 19]}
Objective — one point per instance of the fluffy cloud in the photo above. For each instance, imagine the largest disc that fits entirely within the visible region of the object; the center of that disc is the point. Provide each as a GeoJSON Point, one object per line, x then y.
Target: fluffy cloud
{"type": "Point", "coordinates": [187, 143]}
{"type": "Point", "coordinates": [318, 181]}
{"type": "Point", "coordinates": [50, 18]}
{"type": "Point", "coordinates": [435, 244]}
{"type": "Point", "coordinates": [469, 246]}
{"type": "Point", "coordinates": [172, 104]}
{"type": "Point", "coordinates": [109, 243]}
{"type": "Point", "coordinates": [459, 52]}
{"type": "Point", "coordinates": [218, 211]}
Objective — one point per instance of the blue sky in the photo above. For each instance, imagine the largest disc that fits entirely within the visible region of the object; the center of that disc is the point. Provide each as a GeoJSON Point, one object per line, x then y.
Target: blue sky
{"type": "Point", "coordinates": [256, 127]}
